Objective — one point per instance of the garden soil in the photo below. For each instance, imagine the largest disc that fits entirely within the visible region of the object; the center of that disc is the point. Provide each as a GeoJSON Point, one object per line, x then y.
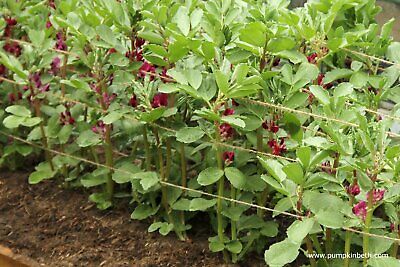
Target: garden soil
{"type": "Point", "coordinates": [60, 227]}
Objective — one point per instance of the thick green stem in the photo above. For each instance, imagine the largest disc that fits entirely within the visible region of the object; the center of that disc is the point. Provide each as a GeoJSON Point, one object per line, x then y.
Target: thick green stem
{"type": "Point", "coordinates": [109, 161]}
{"type": "Point", "coordinates": [328, 240]}
{"type": "Point", "coordinates": [233, 224]}
{"type": "Point", "coordinates": [396, 243]}
{"type": "Point", "coordinates": [47, 153]}
{"type": "Point", "coordinates": [168, 159]}
{"type": "Point", "coordinates": [146, 149]}
{"type": "Point", "coordinates": [221, 184]}
{"type": "Point", "coordinates": [368, 220]}
{"type": "Point", "coordinates": [310, 251]}
{"type": "Point", "coordinates": [347, 241]}
{"type": "Point", "coordinates": [183, 179]}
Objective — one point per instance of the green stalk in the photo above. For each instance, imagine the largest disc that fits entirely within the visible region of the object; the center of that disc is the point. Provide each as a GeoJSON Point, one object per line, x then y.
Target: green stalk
{"type": "Point", "coordinates": [183, 180]}
{"type": "Point", "coordinates": [148, 160]}
{"type": "Point", "coordinates": [220, 186]}
{"type": "Point", "coordinates": [396, 243]}
{"type": "Point", "coordinates": [168, 159]}
{"type": "Point", "coordinates": [368, 220]}
{"type": "Point", "coordinates": [109, 161]}
{"type": "Point", "coordinates": [164, 192]}
{"type": "Point", "coordinates": [233, 224]}
{"type": "Point", "coordinates": [310, 251]}
{"type": "Point", "coordinates": [36, 105]}
{"type": "Point", "coordinates": [347, 240]}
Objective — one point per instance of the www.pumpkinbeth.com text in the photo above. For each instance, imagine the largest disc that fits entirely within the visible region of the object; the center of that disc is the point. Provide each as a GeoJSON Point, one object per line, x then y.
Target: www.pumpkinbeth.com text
{"type": "Point", "coordinates": [346, 255]}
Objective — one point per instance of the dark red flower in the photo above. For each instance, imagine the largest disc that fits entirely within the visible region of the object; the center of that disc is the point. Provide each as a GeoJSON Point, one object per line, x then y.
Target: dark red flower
{"type": "Point", "coordinates": [234, 103]}
{"type": "Point", "coordinates": [354, 189]}
{"type": "Point", "coordinates": [360, 209]}
{"type": "Point", "coordinates": [226, 131]}
{"type": "Point", "coordinates": [229, 111]}
{"type": "Point", "coordinates": [326, 167]}
{"type": "Point", "coordinates": [3, 69]}
{"type": "Point", "coordinates": [145, 69]}
{"type": "Point", "coordinates": [45, 88]}
{"type": "Point", "coordinates": [48, 24]}
{"type": "Point", "coordinates": [112, 50]}
{"type": "Point", "coordinates": [99, 128]}
{"type": "Point", "coordinates": [107, 98]}
{"type": "Point", "coordinates": [320, 82]}
{"type": "Point", "coordinates": [11, 21]}
{"type": "Point", "coordinates": [133, 101]}
{"type": "Point", "coordinates": [160, 100]}
{"type": "Point", "coordinates": [377, 195]}
{"type": "Point", "coordinates": [277, 148]}
{"type": "Point", "coordinates": [165, 77]}
{"type": "Point", "coordinates": [11, 98]}
{"type": "Point", "coordinates": [60, 42]}
{"type": "Point", "coordinates": [276, 62]}
{"type": "Point", "coordinates": [66, 118]}
{"type": "Point", "coordinates": [55, 66]}
{"type": "Point", "coordinates": [35, 78]}
{"type": "Point", "coordinates": [312, 58]}
{"type": "Point", "coordinates": [13, 48]}
{"type": "Point", "coordinates": [139, 42]}
{"type": "Point", "coordinates": [228, 157]}
{"type": "Point", "coordinates": [52, 4]}
{"type": "Point", "coordinates": [271, 126]}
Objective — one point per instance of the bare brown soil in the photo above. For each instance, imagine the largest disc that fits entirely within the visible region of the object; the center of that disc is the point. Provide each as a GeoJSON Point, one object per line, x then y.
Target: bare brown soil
{"type": "Point", "coordinates": [60, 227]}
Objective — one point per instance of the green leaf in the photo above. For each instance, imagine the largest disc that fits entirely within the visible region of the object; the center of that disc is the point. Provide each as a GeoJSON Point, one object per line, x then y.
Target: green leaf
{"type": "Point", "coordinates": [299, 230]}
{"type": "Point", "coordinates": [13, 121]}
{"type": "Point", "coordinates": [343, 89]}
{"type": "Point", "coordinates": [274, 168]}
{"type": "Point", "coordinates": [153, 115]}
{"type": "Point", "coordinates": [222, 81]}
{"type": "Point", "coordinates": [102, 200]}
{"type": "Point", "coordinates": [282, 253]}
{"type": "Point", "coordinates": [254, 33]}
{"type": "Point", "coordinates": [383, 262]}
{"type": "Point", "coordinates": [19, 110]}
{"type": "Point", "coordinates": [189, 134]}
{"type": "Point", "coordinates": [304, 154]}
{"type": "Point", "coordinates": [88, 138]}
{"type": "Point", "coordinates": [279, 44]}
{"type": "Point", "coordinates": [30, 122]}
{"type": "Point", "coordinates": [330, 218]}
{"type": "Point", "coordinates": [106, 34]}
{"type": "Point", "coordinates": [294, 172]}
{"type": "Point", "coordinates": [93, 180]}
{"type": "Point", "coordinates": [234, 121]}
{"type": "Point", "coordinates": [147, 179]}
{"type": "Point", "coordinates": [143, 211]}
{"type": "Point", "coordinates": [36, 36]}
{"type": "Point", "coordinates": [123, 174]}
{"type": "Point", "coordinates": [194, 77]}
{"type": "Point", "coordinates": [210, 175]}
{"type": "Point", "coordinates": [183, 20]}
{"type": "Point", "coordinates": [235, 177]}
{"type": "Point", "coordinates": [336, 74]}
{"type": "Point", "coordinates": [321, 94]}
{"type": "Point", "coordinates": [234, 246]}
{"type": "Point", "coordinates": [216, 246]}
{"type": "Point", "coordinates": [201, 204]}
{"type": "Point", "coordinates": [40, 175]}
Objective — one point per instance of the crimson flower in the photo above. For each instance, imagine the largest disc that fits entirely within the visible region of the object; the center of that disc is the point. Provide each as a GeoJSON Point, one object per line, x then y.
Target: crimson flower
{"type": "Point", "coordinates": [164, 76]}
{"type": "Point", "coordinates": [60, 43]}
{"type": "Point", "coordinates": [271, 126]}
{"type": "Point", "coordinates": [48, 24]}
{"type": "Point", "coordinates": [3, 69]}
{"type": "Point", "coordinates": [66, 118]}
{"type": "Point", "coordinates": [229, 111]}
{"type": "Point", "coordinates": [353, 189]}
{"type": "Point", "coordinates": [360, 209]}
{"type": "Point", "coordinates": [160, 100]}
{"type": "Point", "coordinates": [377, 195]}
{"type": "Point", "coordinates": [277, 148]}
{"type": "Point", "coordinates": [228, 157]}
{"type": "Point", "coordinates": [312, 58]}
{"type": "Point", "coordinates": [112, 50]}
{"type": "Point", "coordinates": [234, 103]}
{"type": "Point", "coordinates": [226, 131]}
{"type": "Point", "coordinates": [145, 69]}
{"type": "Point", "coordinates": [133, 101]}
{"type": "Point", "coordinates": [326, 167]}
{"type": "Point", "coordinates": [13, 48]}
{"type": "Point", "coordinates": [55, 65]}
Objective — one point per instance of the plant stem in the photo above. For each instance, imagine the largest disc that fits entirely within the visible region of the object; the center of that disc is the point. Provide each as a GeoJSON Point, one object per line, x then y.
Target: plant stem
{"type": "Point", "coordinates": [328, 239]}
{"type": "Point", "coordinates": [183, 179]}
{"type": "Point", "coordinates": [233, 224]}
{"type": "Point", "coordinates": [146, 149]}
{"type": "Point", "coordinates": [368, 220]}
{"type": "Point", "coordinates": [220, 186]}
{"type": "Point", "coordinates": [36, 105]}
{"type": "Point", "coordinates": [109, 161]}
{"type": "Point", "coordinates": [310, 251]}
{"type": "Point", "coordinates": [396, 243]}
{"type": "Point", "coordinates": [347, 241]}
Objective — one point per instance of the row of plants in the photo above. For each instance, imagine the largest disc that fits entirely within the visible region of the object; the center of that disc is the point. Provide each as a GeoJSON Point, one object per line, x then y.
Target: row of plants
{"type": "Point", "coordinates": [241, 99]}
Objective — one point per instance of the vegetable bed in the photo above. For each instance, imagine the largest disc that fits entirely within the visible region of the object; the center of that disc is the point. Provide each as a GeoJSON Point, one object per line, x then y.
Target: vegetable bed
{"type": "Point", "coordinates": [262, 122]}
